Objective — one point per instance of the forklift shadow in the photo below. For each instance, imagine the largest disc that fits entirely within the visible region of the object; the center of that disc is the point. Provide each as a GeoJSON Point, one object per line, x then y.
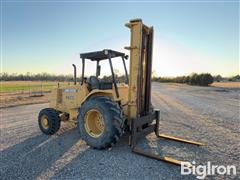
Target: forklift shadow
{"type": "Point", "coordinates": [35, 155]}
{"type": "Point", "coordinates": [92, 164]}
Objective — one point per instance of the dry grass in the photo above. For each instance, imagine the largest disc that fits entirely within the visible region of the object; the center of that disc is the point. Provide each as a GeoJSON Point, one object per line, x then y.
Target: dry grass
{"type": "Point", "coordinates": [14, 93]}
{"type": "Point", "coordinates": [21, 99]}
{"type": "Point", "coordinates": [226, 84]}
{"type": "Point", "coordinates": [7, 86]}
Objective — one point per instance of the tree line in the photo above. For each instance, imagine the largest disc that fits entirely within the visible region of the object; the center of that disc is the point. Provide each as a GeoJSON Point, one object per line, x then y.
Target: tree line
{"type": "Point", "coordinates": [35, 77]}
{"type": "Point", "coordinates": [203, 79]}
{"type": "Point", "coordinates": [49, 77]}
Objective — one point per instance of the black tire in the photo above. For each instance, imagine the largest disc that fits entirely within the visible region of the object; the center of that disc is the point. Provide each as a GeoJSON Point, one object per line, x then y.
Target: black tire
{"type": "Point", "coordinates": [112, 117]}
{"type": "Point", "coordinates": [53, 121]}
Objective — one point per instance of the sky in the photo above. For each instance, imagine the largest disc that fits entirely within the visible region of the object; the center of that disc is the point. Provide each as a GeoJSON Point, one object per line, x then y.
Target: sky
{"type": "Point", "coordinates": [189, 36]}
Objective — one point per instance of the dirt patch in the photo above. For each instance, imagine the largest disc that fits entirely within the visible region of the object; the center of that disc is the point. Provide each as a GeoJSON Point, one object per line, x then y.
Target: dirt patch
{"type": "Point", "coordinates": [226, 84]}
{"type": "Point", "coordinates": [10, 99]}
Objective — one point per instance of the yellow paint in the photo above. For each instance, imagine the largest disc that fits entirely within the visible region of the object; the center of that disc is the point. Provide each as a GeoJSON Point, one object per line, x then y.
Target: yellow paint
{"type": "Point", "coordinates": [171, 160]}
{"type": "Point", "coordinates": [94, 123]}
{"type": "Point", "coordinates": [137, 62]}
{"type": "Point", "coordinates": [44, 122]}
{"type": "Point", "coordinates": [180, 139]}
{"type": "Point", "coordinates": [68, 99]}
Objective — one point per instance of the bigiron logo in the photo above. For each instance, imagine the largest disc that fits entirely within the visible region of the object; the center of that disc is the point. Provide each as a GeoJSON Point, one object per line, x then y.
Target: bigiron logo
{"type": "Point", "coordinates": [201, 171]}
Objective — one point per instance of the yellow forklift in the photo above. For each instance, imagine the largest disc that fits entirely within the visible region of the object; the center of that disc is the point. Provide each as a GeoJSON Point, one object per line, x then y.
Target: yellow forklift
{"type": "Point", "coordinates": [104, 110]}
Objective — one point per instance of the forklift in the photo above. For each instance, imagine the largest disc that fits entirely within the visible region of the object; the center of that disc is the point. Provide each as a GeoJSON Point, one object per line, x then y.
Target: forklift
{"type": "Point", "coordinates": [103, 110]}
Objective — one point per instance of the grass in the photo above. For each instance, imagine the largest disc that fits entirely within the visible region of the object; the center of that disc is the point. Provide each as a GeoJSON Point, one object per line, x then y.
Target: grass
{"type": "Point", "coordinates": [7, 86]}
{"type": "Point", "coordinates": [226, 84]}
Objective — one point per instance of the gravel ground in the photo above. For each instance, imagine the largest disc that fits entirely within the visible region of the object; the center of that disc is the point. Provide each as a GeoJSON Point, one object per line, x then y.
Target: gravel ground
{"type": "Point", "coordinates": [207, 114]}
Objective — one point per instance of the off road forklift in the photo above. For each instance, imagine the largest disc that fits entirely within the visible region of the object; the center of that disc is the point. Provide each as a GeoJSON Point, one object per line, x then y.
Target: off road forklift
{"type": "Point", "coordinates": [103, 110]}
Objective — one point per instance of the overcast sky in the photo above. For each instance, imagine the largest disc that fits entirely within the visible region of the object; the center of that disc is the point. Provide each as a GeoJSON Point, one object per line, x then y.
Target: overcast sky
{"type": "Point", "coordinates": [42, 36]}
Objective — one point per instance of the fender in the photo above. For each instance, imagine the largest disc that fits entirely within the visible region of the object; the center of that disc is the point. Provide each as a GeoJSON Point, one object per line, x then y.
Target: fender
{"type": "Point", "coordinates": [98, 92]}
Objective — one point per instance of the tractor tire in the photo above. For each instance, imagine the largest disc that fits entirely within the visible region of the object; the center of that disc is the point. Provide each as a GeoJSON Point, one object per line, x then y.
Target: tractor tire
{"type": "Point", "coordinates": [100, 122]}
{"type": "Point", "coordinates": [49, 121]}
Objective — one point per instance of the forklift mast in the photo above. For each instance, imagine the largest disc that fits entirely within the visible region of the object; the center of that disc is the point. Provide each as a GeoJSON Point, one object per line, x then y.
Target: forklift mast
{"type": "Point", "coordinates": [141, 46]}
{"type": "Point", "coordinates": [143, 120]}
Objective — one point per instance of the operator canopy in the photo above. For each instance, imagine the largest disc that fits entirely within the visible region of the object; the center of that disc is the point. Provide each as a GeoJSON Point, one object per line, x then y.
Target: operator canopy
{"type": "Point", "coordinates": [101, 55]}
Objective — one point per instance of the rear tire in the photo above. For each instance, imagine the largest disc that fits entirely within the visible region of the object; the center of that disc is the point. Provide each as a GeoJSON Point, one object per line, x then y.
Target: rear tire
{"type": "Point", "coordinates": [49, 121]}
{"type": "Point", "coordinates": [108, 133]}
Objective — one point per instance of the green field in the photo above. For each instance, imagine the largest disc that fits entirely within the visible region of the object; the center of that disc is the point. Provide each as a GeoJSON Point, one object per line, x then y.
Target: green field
{"type": "Point", "coordinates": [7, 86]}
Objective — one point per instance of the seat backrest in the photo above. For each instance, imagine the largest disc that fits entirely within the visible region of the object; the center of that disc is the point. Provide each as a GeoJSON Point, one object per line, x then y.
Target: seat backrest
{"type": "Point", "coordinates": [93, 82]}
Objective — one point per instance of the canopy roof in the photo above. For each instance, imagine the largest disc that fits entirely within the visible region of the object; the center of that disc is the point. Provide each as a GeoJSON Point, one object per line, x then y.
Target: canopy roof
{"type": "Point", "coordinates": [101, 55]}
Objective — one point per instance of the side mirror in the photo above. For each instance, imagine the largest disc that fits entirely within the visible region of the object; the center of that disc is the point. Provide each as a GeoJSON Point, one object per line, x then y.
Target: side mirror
{"type": "Point", "coordinates": [98, 70]}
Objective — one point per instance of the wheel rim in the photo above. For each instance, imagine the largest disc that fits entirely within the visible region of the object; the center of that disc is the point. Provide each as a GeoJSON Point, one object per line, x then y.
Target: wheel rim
{"type": "Point", "coordinates": [94, 123]}
{"type": "Point", "coordinates": [44, 122]}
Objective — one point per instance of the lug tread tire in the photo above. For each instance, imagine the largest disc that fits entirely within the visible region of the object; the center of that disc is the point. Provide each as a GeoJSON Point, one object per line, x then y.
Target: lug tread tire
{"type": "Point", "coordinates": [113, 118]}
{"type": "Point", "coordinates": [53, 120]}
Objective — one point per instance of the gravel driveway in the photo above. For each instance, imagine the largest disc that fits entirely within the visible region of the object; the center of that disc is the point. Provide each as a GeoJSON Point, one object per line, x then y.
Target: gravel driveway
{"type": "Point", "coordinates": [207, 114]}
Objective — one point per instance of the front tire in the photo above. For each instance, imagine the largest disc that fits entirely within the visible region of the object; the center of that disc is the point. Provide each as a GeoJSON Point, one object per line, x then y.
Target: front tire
{"type": "Point", "coordinates": [100, 122]}
{"type": "Point", "coordinates": [49, 121]}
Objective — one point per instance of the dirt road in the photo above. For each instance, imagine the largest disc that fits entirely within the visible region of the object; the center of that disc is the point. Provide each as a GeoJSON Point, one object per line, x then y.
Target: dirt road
{"type": "Point", "coordinates": [207, 114]}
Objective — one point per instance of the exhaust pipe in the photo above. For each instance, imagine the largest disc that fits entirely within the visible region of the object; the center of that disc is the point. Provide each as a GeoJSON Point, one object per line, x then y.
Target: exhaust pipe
{"type": "Point", "coordinates": [74, 74]}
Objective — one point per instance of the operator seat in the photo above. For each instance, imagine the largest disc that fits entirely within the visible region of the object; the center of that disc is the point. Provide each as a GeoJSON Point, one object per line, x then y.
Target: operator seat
{"type": "Point", "coordinates": [93, 82]}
